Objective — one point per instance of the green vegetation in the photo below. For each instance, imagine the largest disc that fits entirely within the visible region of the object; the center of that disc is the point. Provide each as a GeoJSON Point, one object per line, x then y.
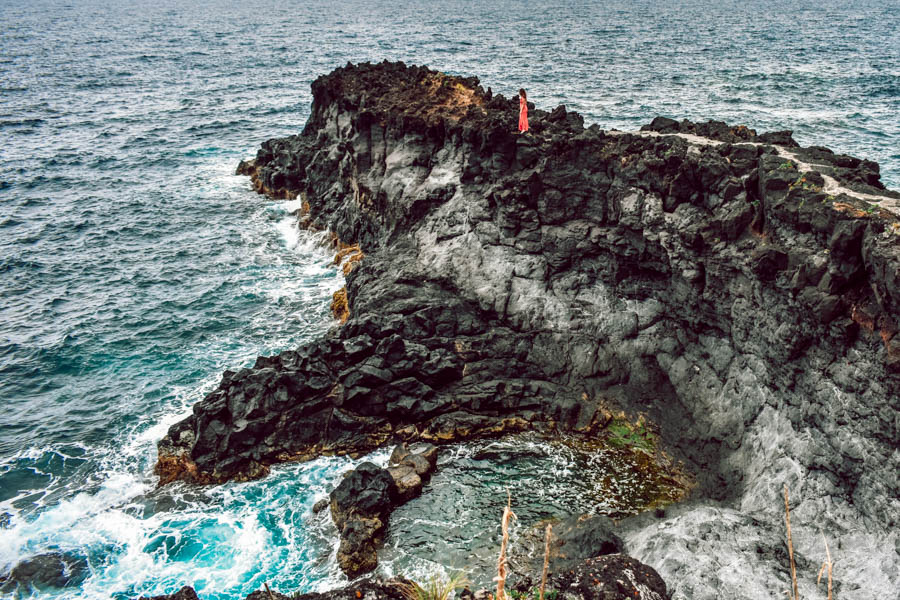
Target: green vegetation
{"type": "Point", "coordinates": [533, 594]}
{"type": "Point", "coordinates": [637, 435]}
{"type": "Point", "coordinates": [436, 588]}
{"type": "Point", "coordinates": [787, 165]}
{"type": "Point", "coordinates": [802, 183]}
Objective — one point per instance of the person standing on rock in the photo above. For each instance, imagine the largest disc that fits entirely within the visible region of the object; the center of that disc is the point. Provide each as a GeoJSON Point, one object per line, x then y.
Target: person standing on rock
{"type": "Point", "coordinates": [523, 111]}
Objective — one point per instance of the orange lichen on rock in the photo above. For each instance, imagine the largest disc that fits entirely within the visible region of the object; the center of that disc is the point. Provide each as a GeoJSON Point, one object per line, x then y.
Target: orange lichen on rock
{"type": "Point", "coordinates": [849, 209]}
{"type": "Point", "coordinates": [177, 467]}
{"type": "Point", "coordinates": [348, 257]}
{"type": "Point", "coordinates": [339, 306]}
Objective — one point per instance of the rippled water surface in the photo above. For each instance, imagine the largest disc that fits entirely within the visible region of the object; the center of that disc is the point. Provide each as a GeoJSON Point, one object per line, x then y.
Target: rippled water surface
{"type": "Point", "coordinates": [134, 267]}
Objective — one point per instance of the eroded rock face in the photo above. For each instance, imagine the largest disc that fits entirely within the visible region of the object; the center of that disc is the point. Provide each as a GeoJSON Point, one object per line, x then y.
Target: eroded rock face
{"type": "Point", "coordinates": [362, 503]}
{"type": "Point", "coordinates": [737, 288]}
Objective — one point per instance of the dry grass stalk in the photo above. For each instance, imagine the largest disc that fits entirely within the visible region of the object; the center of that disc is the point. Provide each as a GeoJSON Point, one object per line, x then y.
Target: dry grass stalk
{"type": "Point", "coordinates": [787, 520]}
{"type": "Point", "coordinates": [268, 591]}
{"type": "Point", "coordinates": [501, 561]}
{"type": "Point", "coordinates": [827, 564]}
{"type": "Point", "coordinates": [546, 559]}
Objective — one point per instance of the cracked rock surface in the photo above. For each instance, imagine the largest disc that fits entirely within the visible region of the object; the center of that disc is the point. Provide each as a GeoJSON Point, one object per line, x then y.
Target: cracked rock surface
{"type": "Point", "coordinates": [747, 301]}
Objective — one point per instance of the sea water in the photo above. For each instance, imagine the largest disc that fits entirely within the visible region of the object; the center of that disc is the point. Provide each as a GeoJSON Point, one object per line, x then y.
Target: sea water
{"type": "Point", "coordinates": [135, 267]}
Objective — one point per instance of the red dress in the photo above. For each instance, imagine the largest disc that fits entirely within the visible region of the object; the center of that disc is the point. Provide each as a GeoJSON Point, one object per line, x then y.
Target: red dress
{"type": "Point", "coordinates": [523, 114]}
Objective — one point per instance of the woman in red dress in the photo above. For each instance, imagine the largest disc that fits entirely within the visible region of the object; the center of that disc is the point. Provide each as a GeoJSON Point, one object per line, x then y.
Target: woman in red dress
{"type": "Point", "coordinates": [523, 111]}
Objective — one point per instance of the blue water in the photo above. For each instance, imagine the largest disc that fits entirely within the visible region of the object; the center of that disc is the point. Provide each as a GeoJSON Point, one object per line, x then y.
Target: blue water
{"type": "Point", "coordinates": [134, 267]}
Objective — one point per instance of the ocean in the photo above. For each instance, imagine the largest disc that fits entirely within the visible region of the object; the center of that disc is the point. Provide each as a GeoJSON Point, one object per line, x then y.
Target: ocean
{"type": "Point", "coordinates": [135, 267]}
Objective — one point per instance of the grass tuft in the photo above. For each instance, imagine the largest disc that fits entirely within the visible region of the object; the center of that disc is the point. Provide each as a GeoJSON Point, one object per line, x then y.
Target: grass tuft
{"type": "Point", "coordinates": [436, 588]}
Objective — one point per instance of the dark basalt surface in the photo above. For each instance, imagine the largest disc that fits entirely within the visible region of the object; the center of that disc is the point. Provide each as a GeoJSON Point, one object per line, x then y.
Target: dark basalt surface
{"type": "Point", "coordinates": [612, 577]}
{"type": "Point", "coordinates": [53, 570]}
{"type": "Point", "coordinates": [740, 290]}
{"type": "Point", "coordinates": [362, 503]}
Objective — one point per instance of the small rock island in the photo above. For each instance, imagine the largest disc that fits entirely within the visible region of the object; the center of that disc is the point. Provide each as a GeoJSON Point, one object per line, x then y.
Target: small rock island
{"type": "Point", "coordinates": [739, 290]}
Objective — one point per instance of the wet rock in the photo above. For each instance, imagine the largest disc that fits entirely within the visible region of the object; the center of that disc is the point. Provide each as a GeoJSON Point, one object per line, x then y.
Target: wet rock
{"type": "Point", "coordinates": [360, 507]}
{"type": "Point", "coordinates": [52, 570]}
{"type": "Point", "coordinates": [427, 451]}
{"type": "Point", "coordinates": [185, 593]}
{"type": "Point", "coordinates": [400, 452]}
{"type": "Point", "coordinates": [408, 482]}
{"type": "Point", "coordinates": [367, 491]}
{"type": "Point", "coordinates": [358, 550]}
{"type": "Point", "coordinates": [411, 468]}
{"type": "Point", "coordinates": [321, 505]}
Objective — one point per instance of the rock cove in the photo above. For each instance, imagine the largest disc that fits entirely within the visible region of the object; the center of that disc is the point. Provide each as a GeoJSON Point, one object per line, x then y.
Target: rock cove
{"type": "Point", "coordinates": [741, 291]}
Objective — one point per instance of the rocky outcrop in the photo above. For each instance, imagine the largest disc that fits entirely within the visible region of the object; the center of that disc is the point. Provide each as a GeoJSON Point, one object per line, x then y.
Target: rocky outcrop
{"type": "Point", "coordinates": [740, 290]}
{"type": "Point", "coordinates": [362, 503]}
{"type": "Point", "coordinates": [611, 577]}
{"type": "Point", "coordinates": [573, 540]}
{"type": "Point", "coordinates": [185, 593]}
{"type": "Point", "coordinates": [360, 507]}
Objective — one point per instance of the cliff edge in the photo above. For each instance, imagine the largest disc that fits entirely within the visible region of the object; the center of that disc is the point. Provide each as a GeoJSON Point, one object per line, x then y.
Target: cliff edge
{"type": "Point", "coordinates": [742, 291]}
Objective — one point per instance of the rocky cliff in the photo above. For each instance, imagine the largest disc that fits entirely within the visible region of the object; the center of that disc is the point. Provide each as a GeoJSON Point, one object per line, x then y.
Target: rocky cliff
{"type": "Point", "coordinates": [740, 290]}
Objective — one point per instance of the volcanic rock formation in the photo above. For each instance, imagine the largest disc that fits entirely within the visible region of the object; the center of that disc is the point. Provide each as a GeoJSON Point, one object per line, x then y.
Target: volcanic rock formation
{"type": "Point", "coordinates": [362, 503]}
{"type": "Point", "coordinates": [740, 290]}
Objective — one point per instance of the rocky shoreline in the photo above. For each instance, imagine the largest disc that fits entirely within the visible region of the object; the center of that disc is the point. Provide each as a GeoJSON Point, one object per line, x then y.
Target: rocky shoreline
{"type": "Point", "coordinates": [740, 290]}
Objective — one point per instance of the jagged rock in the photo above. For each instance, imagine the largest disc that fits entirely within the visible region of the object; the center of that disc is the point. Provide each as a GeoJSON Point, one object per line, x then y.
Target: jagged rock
{"type": "Point", "coordinates": [412, 468]}
{"type": "Point", "coordinates": [400, 452]}
{"type": "Point", "coordinates": [321, 505]}
{"type": "Point", "coordinates": [360, 507]}
{"type": "Point", "coordinates": [511, 286]}
{"type": "Point", "coordinates": [367, 491]}
{"type": "Point", "coordinates": [358, 550]}
{"type": "Point", "coordinates": [611, 577]}
{"type": "Point", "coordinates": [185, 593]}
{"type": "Point", "coordinates": [363, 590]}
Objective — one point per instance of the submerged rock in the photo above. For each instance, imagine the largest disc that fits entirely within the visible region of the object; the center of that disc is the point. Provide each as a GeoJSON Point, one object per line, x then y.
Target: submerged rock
{"type": "Point", "coordinates": [52, 570]}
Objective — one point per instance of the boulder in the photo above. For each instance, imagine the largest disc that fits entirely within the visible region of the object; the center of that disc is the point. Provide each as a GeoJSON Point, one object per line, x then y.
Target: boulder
{"type": "Point", "coordinates": [367, 491]}
{"type": "Point", "coordinates": [408, 482]}
{"type": "Point", "coordinates": [610, 577]}
{"type": "Point", "coordinates": [185, 593]}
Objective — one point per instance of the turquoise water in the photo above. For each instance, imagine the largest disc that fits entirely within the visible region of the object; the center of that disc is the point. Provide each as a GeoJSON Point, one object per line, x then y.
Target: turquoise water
{"type": "Point", "coordinates": [135, 268]}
